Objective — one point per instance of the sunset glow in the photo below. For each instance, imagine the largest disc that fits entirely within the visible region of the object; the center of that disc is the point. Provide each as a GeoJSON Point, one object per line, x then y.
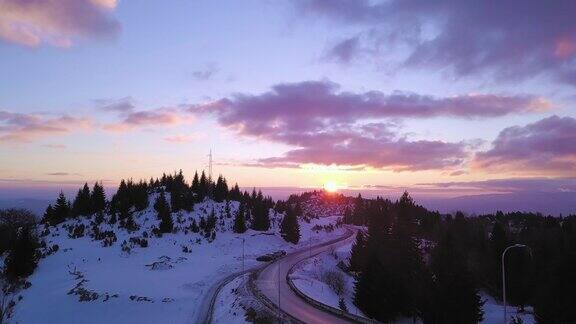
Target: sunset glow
{"type": "Point", "coordinates": [331, 186]}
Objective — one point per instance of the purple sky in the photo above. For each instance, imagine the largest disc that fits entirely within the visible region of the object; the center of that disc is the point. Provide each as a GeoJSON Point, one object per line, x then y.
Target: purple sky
{"type": "Point", "coordinates": [441, 97]}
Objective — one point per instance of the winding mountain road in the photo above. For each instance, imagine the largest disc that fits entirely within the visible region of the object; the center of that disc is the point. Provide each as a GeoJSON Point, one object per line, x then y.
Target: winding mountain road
{"type": "Point", "coordinates": [272, 283]}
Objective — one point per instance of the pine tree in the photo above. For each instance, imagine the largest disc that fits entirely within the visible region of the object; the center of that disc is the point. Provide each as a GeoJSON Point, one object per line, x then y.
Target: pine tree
{"type": "Point", "coordinates": [48, 217]}
{"type": "Point", "coordinates": [196, 186]}
{"type": "Point", "coordinates": [61, 210]}
{"type": "Point", "coordinates": [203, 187]}
{"type": "Point", "coordinates": [161, 204]}
{"type": "Point", "coordinates": [358, 253]}
{"type": "Point", "coordinates": [163, 212]}
{"type": "Point", "coordinates": [260, 217]}
{"type": "Point", "coordinates": [454, 293]}
{"type": "Point", "coordinates": [239, 220]}
{"type": "Point", "coordinates": [81, 205]}
{"type": "Point", "coordinates": [23, 256]}
{"type": "Point", "coordinates": [290, 228]}
{"type": "Point", "coordinates": [98, 198]}
{"type": "Point", "coordinates": [394, 276]}
{"type": "Point", "coordinates": [221, 189]}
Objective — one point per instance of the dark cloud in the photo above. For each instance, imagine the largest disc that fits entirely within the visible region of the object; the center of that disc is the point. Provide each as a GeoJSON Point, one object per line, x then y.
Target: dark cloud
{"type": "Point", "coordinates": [544, 146]}
{"type": "Point", "coordinates": [513, 39]}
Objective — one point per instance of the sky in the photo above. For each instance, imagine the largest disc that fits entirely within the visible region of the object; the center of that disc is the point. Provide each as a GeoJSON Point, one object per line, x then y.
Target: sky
{"type": "Point", "coordinates": [443, 97]}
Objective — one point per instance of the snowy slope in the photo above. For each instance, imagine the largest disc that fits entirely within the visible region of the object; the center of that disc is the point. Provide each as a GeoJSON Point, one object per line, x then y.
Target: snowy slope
{"type": "Point", "coordinates": [158, 283]}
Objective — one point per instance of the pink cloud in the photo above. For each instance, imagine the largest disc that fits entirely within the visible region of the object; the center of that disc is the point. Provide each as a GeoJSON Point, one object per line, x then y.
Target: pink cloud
{"type": "Point", "coordinates": [181, 139]}
{"type": "Point", "coordinates": [315, 104]}
{"type": "Point", "coordinates": [17, 127]}
{"type": "Point", "coordinates": [327, 126]}
{"type": "Point", "coordinates": [56, 22]}
{"type": "Point", "coordinates": [148, 118]}
{"type": "Point", "coordinates": [546, 146]}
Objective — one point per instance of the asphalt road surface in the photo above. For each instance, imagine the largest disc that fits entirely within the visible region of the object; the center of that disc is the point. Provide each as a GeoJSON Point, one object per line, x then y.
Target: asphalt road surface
{"type": "Point", "coordinates": [272, 283]}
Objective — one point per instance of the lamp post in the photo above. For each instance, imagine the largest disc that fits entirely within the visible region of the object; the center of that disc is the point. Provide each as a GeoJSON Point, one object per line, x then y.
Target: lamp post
{"type": "Point", "coordinates": [279, 275]}
{"type": "Point", "coordinates": [504, 274]}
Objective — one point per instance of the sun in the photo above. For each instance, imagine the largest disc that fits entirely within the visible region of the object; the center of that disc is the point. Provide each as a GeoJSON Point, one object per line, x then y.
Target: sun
{"type": "Point", "coordinates": [331, 186]}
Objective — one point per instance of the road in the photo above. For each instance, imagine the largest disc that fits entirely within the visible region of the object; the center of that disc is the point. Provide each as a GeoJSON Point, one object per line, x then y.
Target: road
{"type": "Point", "coordinates": [272, 284]}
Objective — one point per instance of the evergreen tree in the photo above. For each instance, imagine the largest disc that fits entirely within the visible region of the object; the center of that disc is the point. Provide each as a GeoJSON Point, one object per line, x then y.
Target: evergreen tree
{"type": "Point", "coordinates": [290, 228]}
{"type": "Point", "coordinates": [98, 198]}
{"type": "Point", "coordinates": [358, 253]}
{"type": "Point", "coordinates": [239, 220]}
{"type": "Point", "coordinates": [196, 186]}
{"type": "Point", "coordinates": [221, 189]}
{"type": "Point", "coordinates": [61, 210]}
{"type": "Point", "coordinates": [163, 213]}
{"type": "Point", "coordinates": [81, 205]}
{"type": "Point", "coordinates": [454, 293]}
{"type": "Point", "coordinates": [211, 221]}
{"type": "Point", "coordinates": [48, 217]}
{"type": "Point", "coordinates": [203, 187]}
{"type": "Point", "coordinates": [161, 205]}
{"type": "Point", "coordinates": [260, 217]}
{"type": "Point", "coordinates": [391, 283]}
{"type": "Point", "coordinates": [23, 256]}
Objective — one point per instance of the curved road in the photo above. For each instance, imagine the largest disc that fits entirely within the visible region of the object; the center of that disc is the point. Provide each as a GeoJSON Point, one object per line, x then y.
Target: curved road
{"type": "Point", "coordinates": [273, 285]}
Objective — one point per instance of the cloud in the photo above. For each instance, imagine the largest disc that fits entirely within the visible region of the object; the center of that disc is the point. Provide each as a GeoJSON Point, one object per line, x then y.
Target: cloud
{"type": "Point", "coordinates": [63, 174]}
{"type": "Point", "coordinates": [327, 126]}
{"type": "Point", "coordinates": [122, 105]}
{"type": "Point", "coordinates": [544, 146]}
{"type": "Point", "coordinates": [181, 139]}
{"type": "Point", "coordinates": [315, 105]}
{"type": "Point", "coordinates": [55, 146]}
{"type": "Point", "coordinates": [206, 73]}
{"type": "Point", "coordinates": [18, 127]}
{"type": "Point", "coordinates": [509, 185]}
{"type": "Point", "coordinates": [344, 51]}
{"type": "Point", "coordinates": [56, 22]}
{"type": "Point", "coordinates": [149, 118]}
{"type": "Point", "coordinates": [513, 40]}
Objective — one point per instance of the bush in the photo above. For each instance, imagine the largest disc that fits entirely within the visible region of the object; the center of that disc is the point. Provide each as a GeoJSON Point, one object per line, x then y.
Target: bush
{"type": "Point", "coordinates": [335, 280]}
{"type": "Point", "coordinates": [23, 254]}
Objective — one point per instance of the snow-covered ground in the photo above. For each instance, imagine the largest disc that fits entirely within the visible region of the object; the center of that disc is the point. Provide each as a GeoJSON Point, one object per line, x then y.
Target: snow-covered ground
{"type": "Point", "coordinates": [311, 276]}
{"type": "Point", "coordinates": [160, 283]}
{"type": "Point", "coordinates": [228, 307]}
{"type": "Point", "coordinates": [494, 311]}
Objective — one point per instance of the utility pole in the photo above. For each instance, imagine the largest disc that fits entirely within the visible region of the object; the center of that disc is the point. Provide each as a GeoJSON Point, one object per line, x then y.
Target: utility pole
{"type": "Point", "coordinates": [210, 161]}
{"type": "Point", "coordinates": [504, 274]}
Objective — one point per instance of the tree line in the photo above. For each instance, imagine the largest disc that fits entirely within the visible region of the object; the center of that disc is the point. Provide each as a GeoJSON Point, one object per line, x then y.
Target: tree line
{"type": "Point", "coordinates": [412, 262]}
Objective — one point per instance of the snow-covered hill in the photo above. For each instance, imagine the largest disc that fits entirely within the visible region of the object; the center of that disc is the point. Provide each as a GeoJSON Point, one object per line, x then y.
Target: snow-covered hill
{"type": "Point", "coordinates": [142, 278]}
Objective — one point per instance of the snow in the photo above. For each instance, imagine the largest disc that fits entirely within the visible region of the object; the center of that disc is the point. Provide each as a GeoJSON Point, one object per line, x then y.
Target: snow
{"type": "Point", "coordinates": [130, 286]}
{"type": "Point", "coordinates": [309, 277]}
{"type": "Point", "coordinates": [228, 308]}
{"type": "Point", "coordinates": [494, 311]}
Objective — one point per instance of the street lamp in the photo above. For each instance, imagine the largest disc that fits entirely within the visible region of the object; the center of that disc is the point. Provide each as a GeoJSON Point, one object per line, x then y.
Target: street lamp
{"type": "Point", "coordinates": [504, 274]}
